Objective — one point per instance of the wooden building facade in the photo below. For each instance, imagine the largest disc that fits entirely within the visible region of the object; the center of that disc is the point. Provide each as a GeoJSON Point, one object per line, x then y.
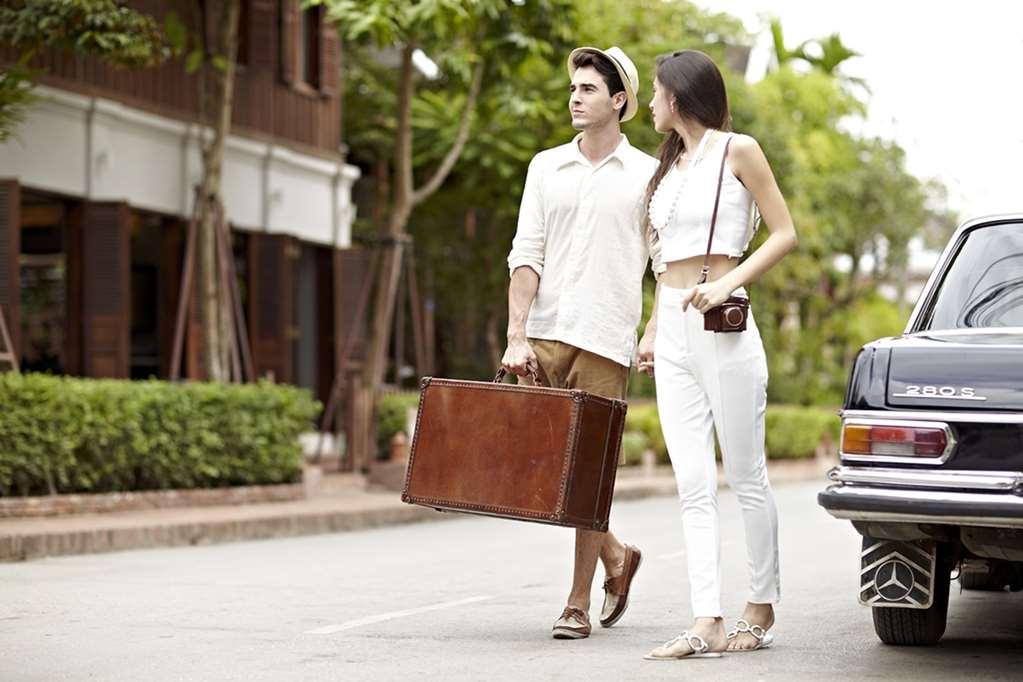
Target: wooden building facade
{"type": "Point", "coordinates": [97, 185]}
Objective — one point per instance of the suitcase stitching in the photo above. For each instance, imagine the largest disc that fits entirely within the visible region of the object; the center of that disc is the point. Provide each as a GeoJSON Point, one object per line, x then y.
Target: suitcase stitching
{"type": "Point", "coordinates": [415, 438]}
{"type": "Point", "coordinates": [571, 448]}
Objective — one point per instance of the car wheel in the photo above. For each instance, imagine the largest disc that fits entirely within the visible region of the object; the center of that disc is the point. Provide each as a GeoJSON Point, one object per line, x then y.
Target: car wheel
{"type": "Point", "coordinates": [917, 627]}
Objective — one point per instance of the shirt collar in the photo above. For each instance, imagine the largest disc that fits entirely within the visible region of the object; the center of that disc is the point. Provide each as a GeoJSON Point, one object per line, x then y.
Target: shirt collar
{"type": "Point", "coordinates": [574, 155]}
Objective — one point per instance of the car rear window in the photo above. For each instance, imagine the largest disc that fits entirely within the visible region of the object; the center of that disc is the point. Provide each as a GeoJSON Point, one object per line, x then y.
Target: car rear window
{"type": "Point", "coordinates": [984, 285]}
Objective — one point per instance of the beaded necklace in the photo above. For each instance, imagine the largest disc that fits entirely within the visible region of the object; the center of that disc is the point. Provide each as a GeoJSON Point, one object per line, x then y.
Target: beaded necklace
{"type": "Point", "coordinates": [697, 157]}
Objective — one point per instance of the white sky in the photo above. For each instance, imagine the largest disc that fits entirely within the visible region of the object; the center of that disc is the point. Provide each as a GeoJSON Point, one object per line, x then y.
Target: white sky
{"type": "Point", "coordinates": [946, 80]}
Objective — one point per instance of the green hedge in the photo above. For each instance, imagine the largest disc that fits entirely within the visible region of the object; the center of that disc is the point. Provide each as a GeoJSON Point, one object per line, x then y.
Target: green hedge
{"type": "Point", "coordinates": [792, 431]}
{"type": "Point", "coordinates": [68, 435]}
{"type": "Point", "coordinates": [392, 413]}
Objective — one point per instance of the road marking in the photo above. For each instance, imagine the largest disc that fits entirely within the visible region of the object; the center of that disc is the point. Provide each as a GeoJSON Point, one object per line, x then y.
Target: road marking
{"type": "Point", "coordinates": [673, 555]}
{"type": "Point", "coordinates": [369, 620]}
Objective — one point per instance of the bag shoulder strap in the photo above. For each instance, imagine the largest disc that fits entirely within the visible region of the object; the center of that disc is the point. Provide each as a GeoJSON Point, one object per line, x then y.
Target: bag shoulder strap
{"type": "Point", "coordinates": [714, 216]}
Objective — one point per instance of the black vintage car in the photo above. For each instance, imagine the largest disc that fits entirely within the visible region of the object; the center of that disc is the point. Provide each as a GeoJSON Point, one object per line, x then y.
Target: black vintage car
{"type": "Point", "coordinates": [931, 457]}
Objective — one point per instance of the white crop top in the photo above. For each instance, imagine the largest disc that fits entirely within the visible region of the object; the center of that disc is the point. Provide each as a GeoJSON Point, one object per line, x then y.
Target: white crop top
{"type": "Point", "coordinates": [682, 204]}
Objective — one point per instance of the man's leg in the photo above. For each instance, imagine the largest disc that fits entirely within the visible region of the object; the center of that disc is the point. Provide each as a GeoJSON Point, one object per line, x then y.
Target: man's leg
{"type": "Point", "coordinates": [604, 377]}
{"type": "Point", "coordinates": [588, 546]}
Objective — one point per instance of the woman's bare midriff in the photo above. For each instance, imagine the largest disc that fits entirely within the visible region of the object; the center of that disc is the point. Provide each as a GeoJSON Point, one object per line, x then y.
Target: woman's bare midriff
{"type": "Point", "coordinates": [684, 274]}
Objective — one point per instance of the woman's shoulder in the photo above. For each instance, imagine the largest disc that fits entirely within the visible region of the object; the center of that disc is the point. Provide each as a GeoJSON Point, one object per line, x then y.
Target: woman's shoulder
{"type": "Point", "coordinates": [744, 145]}
{"type": "Point", "coordinates": [745, 156]}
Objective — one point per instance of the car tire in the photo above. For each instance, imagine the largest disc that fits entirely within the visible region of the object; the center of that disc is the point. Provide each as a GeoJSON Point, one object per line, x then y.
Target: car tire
{"type": "Point", "coordinates": [917, 627]}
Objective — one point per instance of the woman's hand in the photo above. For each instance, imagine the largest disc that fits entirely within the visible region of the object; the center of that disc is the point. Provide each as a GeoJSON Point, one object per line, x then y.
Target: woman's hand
{"type": "Point", "coordinates": [646, 352]}
{"type": "Point", "coordinates": [705, 296]}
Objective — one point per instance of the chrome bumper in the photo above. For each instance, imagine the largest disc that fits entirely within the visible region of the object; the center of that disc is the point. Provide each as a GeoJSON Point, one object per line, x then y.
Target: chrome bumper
{"type": "Point", "coordinates": [1005, 481]}
{"type": "Point", "coordinates": [960, 498]}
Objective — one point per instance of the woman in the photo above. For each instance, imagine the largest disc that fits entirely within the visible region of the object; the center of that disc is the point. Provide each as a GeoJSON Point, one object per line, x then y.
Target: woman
{"type": "Point", "coordinates": [705, 380]}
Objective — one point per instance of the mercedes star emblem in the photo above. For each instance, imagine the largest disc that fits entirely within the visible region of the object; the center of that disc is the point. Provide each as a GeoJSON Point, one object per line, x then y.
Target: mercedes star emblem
{"type": "Point", "coordinates": [894, 580]}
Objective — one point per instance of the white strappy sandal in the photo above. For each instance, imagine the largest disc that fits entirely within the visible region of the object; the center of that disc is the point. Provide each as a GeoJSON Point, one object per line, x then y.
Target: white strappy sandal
{"type": "Point", "coordinates": [672, 651]}
{"type": "Point", "coordinates": [764, 638]}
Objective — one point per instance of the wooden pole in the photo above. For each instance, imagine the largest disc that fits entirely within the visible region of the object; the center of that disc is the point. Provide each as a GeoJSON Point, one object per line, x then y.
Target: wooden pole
{"type": "Point", "coordinates": [184, 292]}
{"type": "Point", "coordinates": [337, 389]}
{"type": "Point", "coordinates": [416, 304]}
{"type": "Point", "coordinates": [8, 355]}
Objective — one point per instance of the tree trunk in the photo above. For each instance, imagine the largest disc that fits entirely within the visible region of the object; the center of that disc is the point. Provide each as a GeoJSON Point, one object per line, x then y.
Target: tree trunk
{"type": "Point", "coordinates": [390, 262]}
{"type": "Point", "coordinates": [217, 96]}
{"type": "Point", "coordinates": [405, 198]}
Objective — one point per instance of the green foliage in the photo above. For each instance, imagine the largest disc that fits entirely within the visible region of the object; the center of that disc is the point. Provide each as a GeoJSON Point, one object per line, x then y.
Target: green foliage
{"type": "Point", "coordinates": [851, 197]}
{"type": "Point", "coordinates": [634, 444]}
{"type": "Point", "coordinates": [392, 416]}
{"type": "Point", "coordinates": [106, 28]}
{"type": "Point", "coordinates": [67, 435]}
{"type": "Point", "coordinates": [118, 34]}
{"type": "Point", "coordinates": [15, 97]}
{"type": "Point", "coordinates": [642, 418]}
{"type": "Point", "coordinates": [796, 432]}
{"type": "Point", "coordinates": [792, 432]}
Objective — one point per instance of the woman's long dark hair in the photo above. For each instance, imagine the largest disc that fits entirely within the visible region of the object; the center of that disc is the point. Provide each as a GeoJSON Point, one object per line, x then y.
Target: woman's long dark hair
{"type": "Point", "coordinates": [692, 80]}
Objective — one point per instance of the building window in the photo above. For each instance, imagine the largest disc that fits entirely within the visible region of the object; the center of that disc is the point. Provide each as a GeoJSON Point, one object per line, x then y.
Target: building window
{"type": "Point", "coordinates": [242, 58]}
{"type": "Point", "coordinates": [308, 48]}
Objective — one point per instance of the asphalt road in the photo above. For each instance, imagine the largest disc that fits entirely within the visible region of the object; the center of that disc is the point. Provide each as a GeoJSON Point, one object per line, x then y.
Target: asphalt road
{"type": "Point", "coordinates": [467, 599]}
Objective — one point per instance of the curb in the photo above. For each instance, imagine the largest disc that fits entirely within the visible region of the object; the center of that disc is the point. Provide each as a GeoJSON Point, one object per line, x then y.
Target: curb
{"type": "Point", "coordinates": [344, 510]}
{"type": "Point", "coordinates": [36, 545]}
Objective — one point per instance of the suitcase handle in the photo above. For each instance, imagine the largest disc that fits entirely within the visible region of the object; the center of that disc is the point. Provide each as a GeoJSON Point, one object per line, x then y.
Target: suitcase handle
{"type": "Point", "coordinates": [539, 376]}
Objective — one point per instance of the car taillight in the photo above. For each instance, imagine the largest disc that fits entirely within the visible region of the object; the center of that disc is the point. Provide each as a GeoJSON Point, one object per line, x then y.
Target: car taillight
{"type": "Point", "coordinates": [894, 440]}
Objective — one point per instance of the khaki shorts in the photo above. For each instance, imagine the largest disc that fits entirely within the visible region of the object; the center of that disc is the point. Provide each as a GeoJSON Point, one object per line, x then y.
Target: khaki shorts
{"type": "Point", "coordinates": [571, 367]}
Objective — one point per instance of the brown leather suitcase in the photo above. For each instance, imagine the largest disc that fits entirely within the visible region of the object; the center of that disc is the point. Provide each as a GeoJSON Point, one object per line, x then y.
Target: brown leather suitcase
{"type": "Point", "coordinates": [519, 452]}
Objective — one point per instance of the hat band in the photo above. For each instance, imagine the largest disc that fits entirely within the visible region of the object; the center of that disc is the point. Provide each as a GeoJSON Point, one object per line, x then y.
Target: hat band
{"type": "Point", "coordinates": [620, 68]}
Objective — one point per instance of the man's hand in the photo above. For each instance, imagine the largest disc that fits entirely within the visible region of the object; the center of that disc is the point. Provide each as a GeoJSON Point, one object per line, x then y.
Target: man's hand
{"type": "Point", "coordinates": [519, 357]}
{"type": "Point", "coordinates": [646, 351]}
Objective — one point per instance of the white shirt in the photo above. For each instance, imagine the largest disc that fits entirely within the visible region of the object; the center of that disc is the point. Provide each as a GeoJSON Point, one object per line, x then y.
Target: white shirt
{"type": "Point", "coordinates": [581, 228]}
{"type": "Point", "coordinates": [683, 203]}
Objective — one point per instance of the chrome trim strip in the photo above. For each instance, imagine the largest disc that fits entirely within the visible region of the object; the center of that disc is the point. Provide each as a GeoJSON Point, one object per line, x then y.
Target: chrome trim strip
{"type": "Point", "coordinates": [968, 331]}
{"type": "Point", "coordinates": [950, 442]}
{"type": "Point", "coordinates": [1005, 481]}
{"type": "Point", "coordinates": [1011, 503]}
{"type": "Point", "coordinates": [938, 415]}
{"type": "Point", "coordinates": [883, 517]}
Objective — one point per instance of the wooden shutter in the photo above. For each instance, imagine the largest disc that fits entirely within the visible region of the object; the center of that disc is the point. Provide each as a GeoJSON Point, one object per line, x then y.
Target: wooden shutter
{"type": "Point", "coordinates": [10, 250]}
{"type": "Point", "coordinates": [330, 57]}
{"type": "Point", "coordinates": [262, 34]}
{"type": "Point", "coordinates": [106, 290]}
{"type": "Point", "coordinates": [271, 302]}
{"type": "Point", "coordinates": [325, 365]}
{"type": "Point", "coordinates": [290, 16]}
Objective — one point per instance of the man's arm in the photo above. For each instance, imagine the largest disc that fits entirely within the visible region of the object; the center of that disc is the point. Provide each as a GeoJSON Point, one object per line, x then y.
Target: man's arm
{"type": "Point", "coordinates": [519, 357]}
{"type": "Point", "coordinates": [526, 265]}
{"type": "Point", "coordinates": [646, 343]}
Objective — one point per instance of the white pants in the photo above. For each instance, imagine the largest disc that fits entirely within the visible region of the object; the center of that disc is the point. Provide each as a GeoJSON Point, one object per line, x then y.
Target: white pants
{"type": "Point", "coordinates": [707, 381]}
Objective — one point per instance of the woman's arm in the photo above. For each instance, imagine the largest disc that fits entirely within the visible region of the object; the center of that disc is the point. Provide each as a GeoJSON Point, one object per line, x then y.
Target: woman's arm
{"type": "Point", "coordinates": [750, 166]}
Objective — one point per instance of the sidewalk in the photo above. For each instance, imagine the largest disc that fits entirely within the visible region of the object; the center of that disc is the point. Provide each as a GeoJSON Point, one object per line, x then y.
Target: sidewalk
{"type": "Point", "coordinates": [339, 503]}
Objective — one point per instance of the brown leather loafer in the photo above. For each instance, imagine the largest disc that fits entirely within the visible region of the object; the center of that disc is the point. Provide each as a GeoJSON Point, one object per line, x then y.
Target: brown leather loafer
{"type": "Point", "coordinates": [616, 590]}
{"type": "Point", "coordinates": [573, 624]}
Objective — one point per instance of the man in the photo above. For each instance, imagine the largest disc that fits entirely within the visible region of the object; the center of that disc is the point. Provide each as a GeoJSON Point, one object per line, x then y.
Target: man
{"type": "Point", "coordinates": [575, 298]}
